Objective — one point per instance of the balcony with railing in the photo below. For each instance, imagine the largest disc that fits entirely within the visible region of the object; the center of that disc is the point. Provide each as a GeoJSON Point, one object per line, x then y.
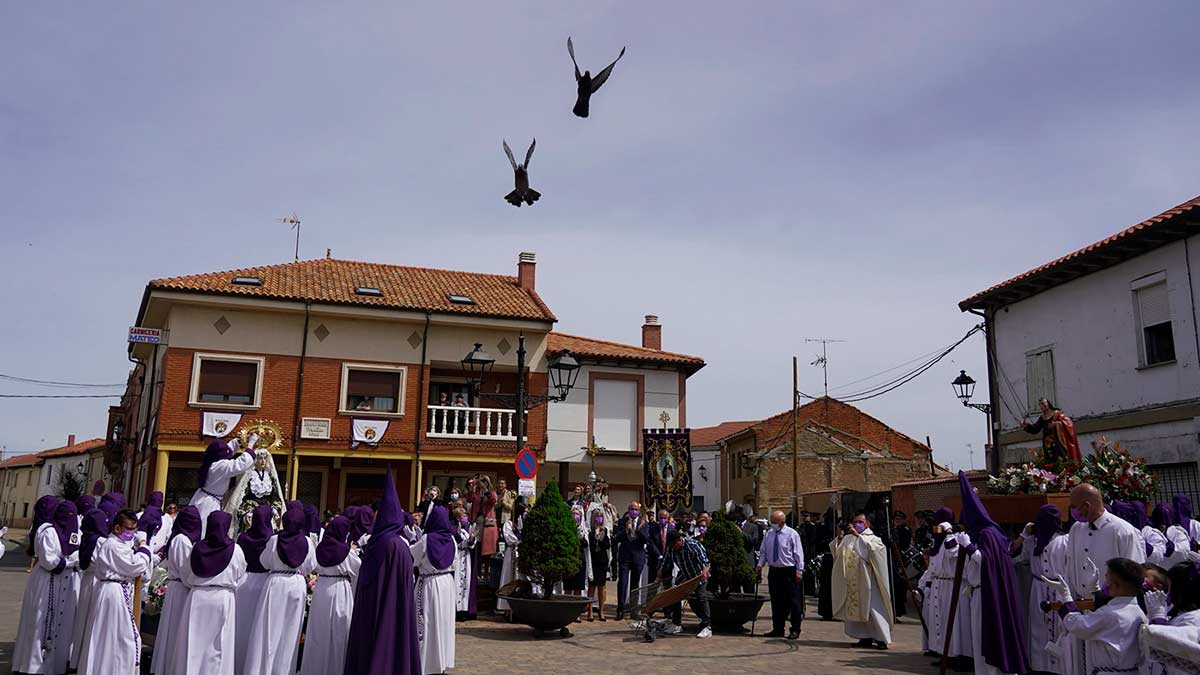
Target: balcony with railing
{"type": "Point", "coordinates": [473, 423]}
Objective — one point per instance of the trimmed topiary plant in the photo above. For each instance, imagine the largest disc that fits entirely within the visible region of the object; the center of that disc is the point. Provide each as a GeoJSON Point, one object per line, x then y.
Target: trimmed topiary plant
{"type": "Point", "coordinates": [727, 554]}
{"type": "Point", "coordinates": [549, 550]}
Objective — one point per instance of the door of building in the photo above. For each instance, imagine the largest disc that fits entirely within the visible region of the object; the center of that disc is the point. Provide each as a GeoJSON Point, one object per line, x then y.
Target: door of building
{"type": "Point", "coordinates": [363, 489]}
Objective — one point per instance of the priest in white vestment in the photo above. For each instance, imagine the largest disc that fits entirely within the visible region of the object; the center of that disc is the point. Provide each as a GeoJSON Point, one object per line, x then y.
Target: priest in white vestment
{"type": "Point", "coordinates": [436, 595]}
{"type": "Point", "coordinates": [274, 643]}
{"type": "Point", "coordinates": [332, 601]}
{"type": "Point", "coordinates": [204, 639]}
{"type": "Point", "coordinates": [862, 585]}
{"type": "Point", "coordinates": [112, 644]}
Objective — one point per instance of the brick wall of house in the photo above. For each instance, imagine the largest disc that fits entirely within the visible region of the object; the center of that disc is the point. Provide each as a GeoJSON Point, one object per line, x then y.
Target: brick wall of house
{"type": "Point", "coordinates": [931, 495]}
{"type": "Point", "coordinates": [845, 422]}
{"type": "Point", "coordinates": [847, 473]}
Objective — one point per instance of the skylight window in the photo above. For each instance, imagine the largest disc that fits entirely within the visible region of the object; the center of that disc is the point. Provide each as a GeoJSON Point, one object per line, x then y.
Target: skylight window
{"type": "Point", "coordinates": [247, 281]}
{"type": "Point", "coordinates": [459, 299]}
{"type": "Point", "coordinates": [368, 290]}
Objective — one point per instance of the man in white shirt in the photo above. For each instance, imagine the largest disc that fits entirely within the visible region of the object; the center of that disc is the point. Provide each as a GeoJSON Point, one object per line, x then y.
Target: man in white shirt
{"type": "Point", "coordinates": [1097, 537]}
{"type": "Point", "coordinates": [783, 554]}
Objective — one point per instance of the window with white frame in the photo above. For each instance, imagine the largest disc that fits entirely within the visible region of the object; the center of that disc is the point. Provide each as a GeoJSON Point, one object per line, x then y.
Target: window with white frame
{"type": "Point", "coordinates": [1039, 377]}
{"type": "Point", "coordinates": [373, 389]}
{"type": "Point", "coordinates": [1156, 343]}
{"type": "Point", "coordinates": [225, 380]}
{"type": "Point", "coordinates": [614, 414]}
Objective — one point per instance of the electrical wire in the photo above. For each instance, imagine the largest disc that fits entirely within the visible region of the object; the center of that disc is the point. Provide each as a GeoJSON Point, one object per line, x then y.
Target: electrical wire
{"type": "Point", "coordinates": [52, 383]}
{"type": "Point", "coordinates": [884, 372]}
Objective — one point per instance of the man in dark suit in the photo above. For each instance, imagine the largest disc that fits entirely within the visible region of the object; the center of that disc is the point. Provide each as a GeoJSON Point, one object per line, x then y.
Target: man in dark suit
{"type": "Point", "coordinates": [656, 542]}
{"type": "Point", "coordinates": [902, 535]}
{"type": "Point", "coordinates": [629, 535]}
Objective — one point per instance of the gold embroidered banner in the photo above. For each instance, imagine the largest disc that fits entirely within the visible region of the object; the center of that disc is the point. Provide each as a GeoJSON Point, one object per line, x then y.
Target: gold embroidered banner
{"type": "Point", "coordinates": [667, 468]}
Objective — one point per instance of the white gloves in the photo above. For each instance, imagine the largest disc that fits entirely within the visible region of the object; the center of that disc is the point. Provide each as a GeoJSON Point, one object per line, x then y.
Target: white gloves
{"type": "Point", "coordinates": [1092, 573]}
{"type": "Point", "coordinates": [141, 538]}
{"type": "Point", "coordinates": [252, 441]}
{"type": "Point", "coordinates": [1062, 592]}
{"type": "Point", "coordinates": [1156, 605]}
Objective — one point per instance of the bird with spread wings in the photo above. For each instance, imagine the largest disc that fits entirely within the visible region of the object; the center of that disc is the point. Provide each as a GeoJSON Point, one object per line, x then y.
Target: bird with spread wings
{"type": "Point", "coordinates": [522, 193]}
{"type": "Point", "coordinates": [587, 84]}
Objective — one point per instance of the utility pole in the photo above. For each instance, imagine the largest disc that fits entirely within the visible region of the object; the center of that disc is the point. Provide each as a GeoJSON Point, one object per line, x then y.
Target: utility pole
{"type": "Point", "coordinates": [795, 445]}
{"type": "Point", "coordinates": [294, 221]}
{"type": "Point", "coordinates": [823, 359]}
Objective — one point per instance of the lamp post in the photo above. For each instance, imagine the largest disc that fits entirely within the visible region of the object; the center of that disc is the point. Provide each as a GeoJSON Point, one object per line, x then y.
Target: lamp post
{"type": "Point", "coordinates": [564, 371]}
{"type": "Point", "coordinates": [964, 389]}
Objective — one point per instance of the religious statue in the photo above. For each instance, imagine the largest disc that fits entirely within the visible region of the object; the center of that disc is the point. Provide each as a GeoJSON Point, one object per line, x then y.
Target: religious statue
{"type": "Point", "coordinates": [261, 484]}
{"type": "Point", "coordinates": [1059, 442]}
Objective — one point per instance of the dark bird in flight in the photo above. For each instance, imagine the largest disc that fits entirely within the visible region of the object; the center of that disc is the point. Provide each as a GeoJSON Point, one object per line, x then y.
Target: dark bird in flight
{"type": "Point", "coordinates": [587, 84]}
{"type": "Point", "coordinates": [522, 193]}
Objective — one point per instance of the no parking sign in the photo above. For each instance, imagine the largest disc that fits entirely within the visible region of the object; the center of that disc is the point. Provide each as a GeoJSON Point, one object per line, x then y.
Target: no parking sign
{"type": "Point", "coordinates": [526, 465]}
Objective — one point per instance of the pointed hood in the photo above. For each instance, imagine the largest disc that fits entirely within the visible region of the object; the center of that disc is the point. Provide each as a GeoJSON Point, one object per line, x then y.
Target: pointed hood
{"type": "Point", "coordinates": [439, 538]}
{"type": "Point", "coordinates": [388, 524]}
{"type": "Point", "coordinates": [43, 512]}
{"type": "Point", "coordinates": [213, 553]}
{"type": "Point", "coordinates": [1162, 517]}
{"type": "Point", "coordinates": [1047, 524]}
{"type": "Point", "coordinates": [335, 545]}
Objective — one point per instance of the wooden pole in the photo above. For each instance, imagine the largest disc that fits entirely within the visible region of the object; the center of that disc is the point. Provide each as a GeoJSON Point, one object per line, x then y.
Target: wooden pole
{"type": "Point", "coordinates": [137, 603]}
{"type": "Point", "coordinates": [958, 576]}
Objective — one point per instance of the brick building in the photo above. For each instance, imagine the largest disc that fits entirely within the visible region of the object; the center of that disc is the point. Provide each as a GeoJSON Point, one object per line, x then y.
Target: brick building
{"type": "Point", "coordinates": [840, 449]}
{"type": "Point", "coordinates": [929, 494]}
{"type": "Point", "coordinates": [26, 477]}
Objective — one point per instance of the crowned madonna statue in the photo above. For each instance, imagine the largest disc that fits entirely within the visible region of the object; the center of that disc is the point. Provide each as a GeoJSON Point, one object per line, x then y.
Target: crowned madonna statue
{"type": "Point", "coordinates": [259, 485]}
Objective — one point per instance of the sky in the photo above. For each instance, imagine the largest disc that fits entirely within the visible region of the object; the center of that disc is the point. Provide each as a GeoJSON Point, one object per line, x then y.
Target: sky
{"type": "Point", "coordinates": [755, 177]}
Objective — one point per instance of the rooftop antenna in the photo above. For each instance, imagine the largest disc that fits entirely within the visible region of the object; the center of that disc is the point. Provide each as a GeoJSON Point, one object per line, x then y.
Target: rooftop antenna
{"type": "Point", "coordinates": [294, 221]}
{"type": "Point", "coordinates": [823, 360]}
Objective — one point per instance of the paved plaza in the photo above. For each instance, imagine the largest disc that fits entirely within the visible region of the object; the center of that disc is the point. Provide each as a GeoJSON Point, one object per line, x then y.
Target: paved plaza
{"type": "Point", "coordinates": [493, 647]}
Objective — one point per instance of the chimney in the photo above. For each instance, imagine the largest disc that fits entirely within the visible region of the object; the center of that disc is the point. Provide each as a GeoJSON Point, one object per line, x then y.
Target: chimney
{"type": "Point", "coordinates": [526, 267]}
{"type": "Point", "coordinates": [652, 333]}
{"type": "Point", "coordinates": [71, 439]}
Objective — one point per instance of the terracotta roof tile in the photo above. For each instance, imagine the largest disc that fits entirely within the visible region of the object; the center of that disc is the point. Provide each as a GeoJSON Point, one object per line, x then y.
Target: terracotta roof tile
{"type": "Point", "coordinates": [603, 349]}
{"type": "Point", "coordinates": [77, 449]}
{"type": "Point", "coordinates": [706, 436]}
{"type": "Point", "coordinates": [1144, 228]}
{"type": "Point", "coordinates": [332, 281]}
{"type": "Point", "coordinates": [28, 459]}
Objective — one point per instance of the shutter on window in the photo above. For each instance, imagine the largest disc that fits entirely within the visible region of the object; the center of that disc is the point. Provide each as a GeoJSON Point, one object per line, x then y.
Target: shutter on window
{"type": "Point", "coordinates": [228, 377]}
{"type": "Point", "coordinates": [374, 383]}
{"type": "Point", "coordinates": [1152, 305]}
{"type": "Point", "coordinates": [1039, 378]}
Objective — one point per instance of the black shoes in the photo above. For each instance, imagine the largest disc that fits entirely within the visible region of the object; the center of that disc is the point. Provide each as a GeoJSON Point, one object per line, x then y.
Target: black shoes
{"type": "Point", "coordinates": [774, 634]}
{"type": "Point", "coordinates": [865, 642]}
{"type": "Point", "coordinates": [794, 635]}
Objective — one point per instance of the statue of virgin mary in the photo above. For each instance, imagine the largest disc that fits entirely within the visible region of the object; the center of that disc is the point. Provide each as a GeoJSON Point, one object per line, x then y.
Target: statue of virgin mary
{"type": "Point", "coordinates": [260, 485]}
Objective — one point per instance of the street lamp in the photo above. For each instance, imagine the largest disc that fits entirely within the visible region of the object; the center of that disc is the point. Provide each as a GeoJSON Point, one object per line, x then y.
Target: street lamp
{"type": "Point", "coordinates": [964, 388]}
{"type": "Point", "coordinates": [477, 364]}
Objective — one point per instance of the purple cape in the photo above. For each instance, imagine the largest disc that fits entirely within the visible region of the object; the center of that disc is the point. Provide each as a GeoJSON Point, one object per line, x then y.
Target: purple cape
{"type": "Point", "coordinates": [312, 519]}
{"type": "Point", "coordinates": [212, 554]}
{"type": "Point", "coordinates": [43, 512]}
{"type": "Point", "coordinates": [85, 503]}
{"type": "Point", "coordinates": [383, 627]}
{"type": "Point", "coordinates": [95, 526]}
{"type": "Point", "coordinates": [66, 523]}
{"type": "Point", "coordinates": [334, 548]}
{"type": "Point", "coordinates": [1137, 515]}
{"type": "Point", "coordinates": [254, 539]}
{"type": "Point", "coordinates": [363, 521]}
{"type": "Point", "coordinates": [216, 451]}
{"type": "Point", "coordinates": [187, 523]}
{"type": "Point", "coordinates": [439, 538]}
{"type": "Point", "coordinates": [292, 543]}
{"type": "Point", "coordinates": [1047, 524]}
{"type": "Point", "coordinates": [151, 521]}
{"type": "Point", "coordinates": [156, 499]}
{"type": "Point", "coordinates": [1183, 512]}
{"type": "Point", "coordinates": [1162, 516]}
{"type": "Point", "coordinates": [1003, 617]}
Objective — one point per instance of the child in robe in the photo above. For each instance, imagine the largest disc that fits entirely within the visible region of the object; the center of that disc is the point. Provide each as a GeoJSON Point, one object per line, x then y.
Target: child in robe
{"type": "Point", "coordinates": [48, 609]}
{"type": "Point", "coordinates": [332, 602]}
{"type": "Point", "coordinates": [185, 532]}
{"type": "Point", "coordinates": [112, 643]}
{"type": "Point", "coordinates": [1109, 634]}
{"type": "Point", "coordinates": [204, 639]}
{"type": "Point", "coordinates": [274, 643]}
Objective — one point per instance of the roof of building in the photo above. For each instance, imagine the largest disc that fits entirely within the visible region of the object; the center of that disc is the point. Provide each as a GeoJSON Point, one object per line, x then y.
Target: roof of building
{"type": "Point", "coordinates": [705, 436]}
{"type": "Point", "coordinates": [76, 449]}
{"type": "Point", "coordinates": [333, 281]}
{"type": "Point", "coordinates": [28, 459]}
{"type": "Point", "coordinates": [971, 475]}
{"type": "Point", "coordinates": [604, 350]}
{"type": "Point", "coordinates": [1170, 225]}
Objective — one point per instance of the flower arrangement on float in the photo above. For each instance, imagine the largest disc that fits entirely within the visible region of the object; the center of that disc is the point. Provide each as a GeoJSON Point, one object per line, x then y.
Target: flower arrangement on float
{"type": "Point", "coordinates": [1110, 468]}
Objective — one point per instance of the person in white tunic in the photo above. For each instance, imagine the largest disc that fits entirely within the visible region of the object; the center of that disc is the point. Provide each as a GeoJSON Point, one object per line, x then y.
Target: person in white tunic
{"type": "Point", "coordinates": [1183, 518]}
{"type": "Point", "coordinates": [934, 585]}
{"type": "Point", "coordinates": [93, 533]}
{"type": "Point", "coordinates": [112, 644]}
{"type": "Point", "coordinates": [274, 640]}
{"type": "Point", "coordinates": [1170, 542]}
{"type": "Point", "coordinates": [1178, 609]}
{"type": "Point", "coordinates": [249, 595]}
{"type": "Point", "coordinates": [1109, 634]}
{"type": "Point", "coordinates": [1044, 544]}
{"type": "Point", "coordinates": [48, 608]}
{"type": "Point", "coordinates": [221, 463]}
{"type": "Point", "coordinates": [466, 537]}
{"type": "Point", "coordinates": [862, 591]}
{"type": "Point", "coordinates": [433, 557]}
{"type": "Point", "coordinates": [185, 532]}
{"type": "Point", "coordinates": [214, 569]}
{"type": "Point", "coordinates": [332, 602]}
{"type": "Point", "coordinates": [511, 534]}
{"type": "Point", "coordinates": [158, 540]}
{"type": "Point", "coordinates": [937, 604]}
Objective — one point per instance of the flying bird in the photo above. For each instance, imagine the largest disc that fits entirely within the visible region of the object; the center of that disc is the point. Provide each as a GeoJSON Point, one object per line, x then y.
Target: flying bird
{"type": "Point", "coordinates": [587, 84]}
{"type": "Point", "coordinates": [522, 193]}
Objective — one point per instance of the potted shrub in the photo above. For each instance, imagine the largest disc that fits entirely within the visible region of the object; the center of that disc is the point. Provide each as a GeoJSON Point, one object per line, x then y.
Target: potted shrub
{"type": "Point", "coordinates": [548, 553]}
{"type": "Point", "coordinates": [730, 569]}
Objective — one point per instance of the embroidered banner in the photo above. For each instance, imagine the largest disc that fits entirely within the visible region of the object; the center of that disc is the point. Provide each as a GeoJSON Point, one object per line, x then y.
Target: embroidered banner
{"type": "Point", "coordinates": [667, 468]}
{"type": "Point", "coordinates": [220, 424]}
{"type": "Point", "coordinates": [367, 431]}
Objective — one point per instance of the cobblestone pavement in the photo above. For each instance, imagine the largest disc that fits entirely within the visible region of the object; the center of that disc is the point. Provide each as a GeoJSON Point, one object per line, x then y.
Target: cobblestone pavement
{"type": "Point", "coordinates": [492, 647]}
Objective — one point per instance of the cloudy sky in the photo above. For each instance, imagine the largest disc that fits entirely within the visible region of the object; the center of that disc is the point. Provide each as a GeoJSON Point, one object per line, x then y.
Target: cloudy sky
{"type": "Point", "coordinates": [754, 177]}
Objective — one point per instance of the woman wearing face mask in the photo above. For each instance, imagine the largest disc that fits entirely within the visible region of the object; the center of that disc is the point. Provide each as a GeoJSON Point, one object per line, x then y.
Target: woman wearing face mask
{"type": "Point", "coordinates": [465, 537]}
{"type": "Point", "coordinates": [578, 584]}
{"type": "Point", "coordinates": [600, 551]}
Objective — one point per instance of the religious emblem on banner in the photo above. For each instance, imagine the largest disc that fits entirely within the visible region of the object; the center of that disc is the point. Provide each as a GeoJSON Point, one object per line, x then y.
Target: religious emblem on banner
{"type": "Point", "coordinates": [667, 468]}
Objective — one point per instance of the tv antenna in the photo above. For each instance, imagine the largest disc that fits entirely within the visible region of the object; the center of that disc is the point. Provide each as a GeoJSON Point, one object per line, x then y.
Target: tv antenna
{"type": "Point", "coordinates": [294, 221]}
{"type": "Point", "coordinates": [823, 360]}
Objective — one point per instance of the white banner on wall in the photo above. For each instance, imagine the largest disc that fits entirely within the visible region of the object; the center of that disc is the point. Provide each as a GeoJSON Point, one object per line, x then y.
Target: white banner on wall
{"type": "Point", "coordinates": [220, 424]}
{"type": "Point", "coordinates": [367, 431]}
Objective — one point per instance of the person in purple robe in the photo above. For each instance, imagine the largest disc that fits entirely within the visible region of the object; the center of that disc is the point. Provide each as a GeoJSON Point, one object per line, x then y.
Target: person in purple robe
{"type": "Point", "coordinates": [66, 525]}
{"type": "Point", "coordinates": [187, 523]}
{"type": "Point", "coordinates": [84, 503]}
{"type": "Point", "coordinates": [1003, 621]}
{"type": "Point", "coordinates": [155, 500]}
{"type": "Point", "coordinates": [95, 526]}
{"type": "Point", "coordinates": [111, 503]}
{"type": "Point", "coordinates": [1183, 518]}
{"type": "Point", "coordinates": [383, 628]}
{"type": "Point", "coordinates": [150, 521]}
{"type": "Point", "coordinates": [43, 512]}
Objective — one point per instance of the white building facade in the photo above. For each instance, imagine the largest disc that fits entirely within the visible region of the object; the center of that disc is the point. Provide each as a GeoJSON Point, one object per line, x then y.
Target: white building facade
{"type": "Point", "coordinates": [1109, 335]}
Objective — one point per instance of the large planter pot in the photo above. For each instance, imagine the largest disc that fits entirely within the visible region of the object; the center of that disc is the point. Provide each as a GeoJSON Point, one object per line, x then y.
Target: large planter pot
{"type": "Point", "coordinates": [731, 614]}
{"type": "Point", "coordinates": [1015, 509]}
{"type": "Point", "coordinates": [547, 615]}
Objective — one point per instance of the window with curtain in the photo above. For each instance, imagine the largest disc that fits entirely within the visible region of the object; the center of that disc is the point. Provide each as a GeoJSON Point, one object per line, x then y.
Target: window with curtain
{"type": "Point", "coordinates": [373, 390]}
{"type": "Point", "coordinates": [233, 382]}
{"type": "Point", "coordinates": [1154, 319]}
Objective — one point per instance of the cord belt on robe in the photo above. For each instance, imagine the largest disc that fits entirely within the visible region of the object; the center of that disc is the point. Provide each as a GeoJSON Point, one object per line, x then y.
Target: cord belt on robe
{"type": "Point", "coordinates": [284, 572]}
{"type": "Point", "coordinates": [210, 494]}
{"type": "Point", "coordinates": [335, 576]}
{"type": "Point", "coordinates": [435, 574]}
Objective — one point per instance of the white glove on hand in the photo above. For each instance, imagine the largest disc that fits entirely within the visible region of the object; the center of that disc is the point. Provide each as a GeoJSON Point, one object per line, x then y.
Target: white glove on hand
{"type": "Point", "coordinates": [1156, 605]}
{"type": "Point", "coordinates": [1091, 572]}
{"type": "Point", "coordinates": [235, 445]}
{"type": "Point", "coordinates": [141, 538]}
{"type": "Point", "coordinates": [1062, 592]}
{"type": "Point", "coordinates": [252, 441]}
